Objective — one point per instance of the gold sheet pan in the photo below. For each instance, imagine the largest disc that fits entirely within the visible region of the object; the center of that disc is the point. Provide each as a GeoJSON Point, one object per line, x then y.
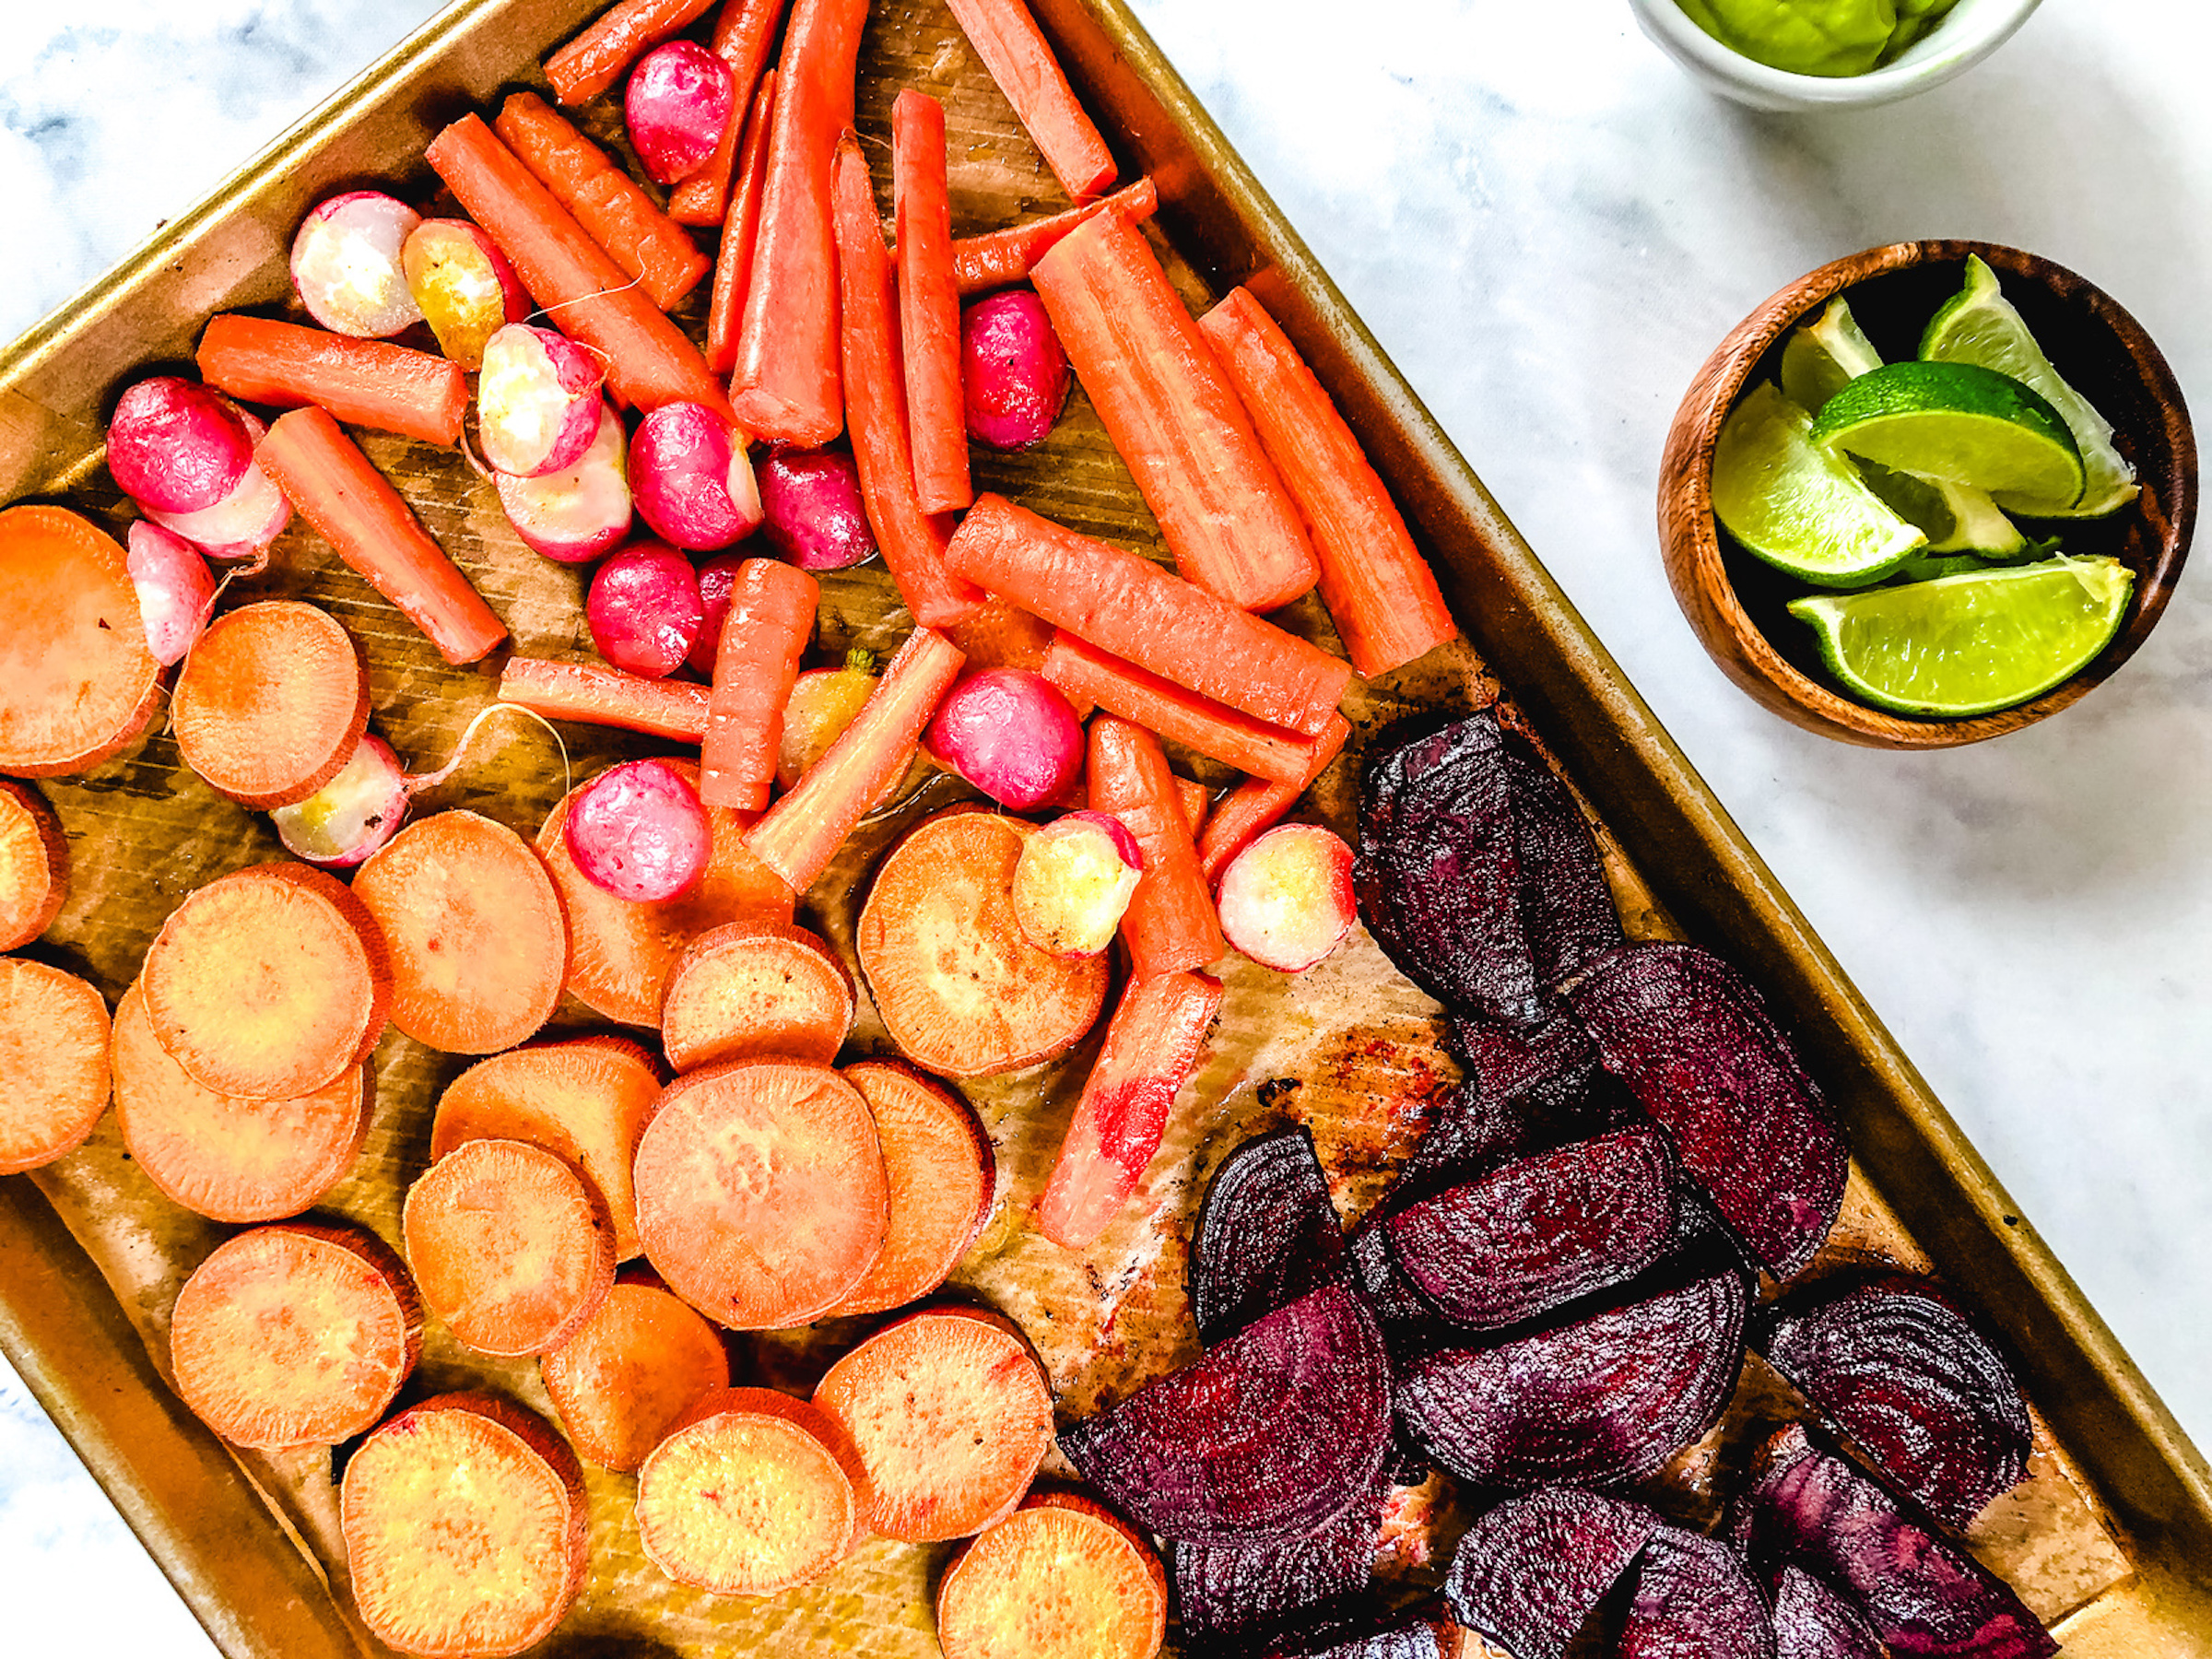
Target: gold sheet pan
{"type": "Point", "coordinates": [2112, 1537]}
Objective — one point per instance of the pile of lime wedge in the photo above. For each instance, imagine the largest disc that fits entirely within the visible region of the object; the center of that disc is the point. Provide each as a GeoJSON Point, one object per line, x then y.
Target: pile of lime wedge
{"type": "Point", "coordinates": [1895, 487]}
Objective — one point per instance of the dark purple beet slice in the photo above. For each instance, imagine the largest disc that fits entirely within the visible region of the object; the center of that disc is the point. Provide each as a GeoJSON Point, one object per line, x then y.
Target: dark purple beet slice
{"type": "Point", "coordinates": [1530, 1572]}
{"type": "Point", "coordinates": [1402, 1313]}
{"type": "Point", "coordinates": [1477, 872]}
{"type": "Point", "coordinates": [1604, 1399]}
{"type": "Point", "coordinates": [1527, 1089]}
{"type": "Point", "coordinates": [1692, 1040]}
{"type": "Point", "coordinates": [1272, 1435]}
{"type": "Point", "coordinates": [1539, 1232]}
{"type": "Point", "coordinates": [1694, 1599]}
{"type": "Point", "coordinates": [1372, 1635]}
{"type": "Point", "coordinates": [1925, 1597]}
{"type": "Point", "coordinates": [1252, 1592]}
{"type": "Point", "coordinates": [1267, 1233]}
{"type": "Point", "coordinates": [1913, 1386]}
{"type": "Point", "coordinates": [1811, 1622]}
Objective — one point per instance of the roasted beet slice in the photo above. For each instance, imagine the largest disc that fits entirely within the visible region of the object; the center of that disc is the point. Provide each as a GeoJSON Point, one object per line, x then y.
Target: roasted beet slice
{"type": "Point", "coordinates": [1604, 1399]}
{"type": "Point", "coordinates": [1694, 1600]}
{"type": "Point", "coordinates": [1529, 1574]}
{"type": "Point", "coordinates": [1527, 1089]}
{"type": "Point", "coordinates": [1692, 1040]}
{"type": "Point", "coordinates": [1910, 1383]}
{"type": "Point", "coordinates": [1371, 1634]}
{"type": "Point", "coordinates": [1925, 1597]}
{"type": "Point", "coordinates": [1255, 1593]}
{"type": "Point", "coordinates": [1477, 872]}
{"type": "Point", "coordinates": [1539, 1232]}
{"type": "Point", "coordinates": [1272, 1435]}
{"type": "Point", "coordinates": [1267, 1233]}
{"type": "Point", "coordinates": [1811, 1622]}
{"type": "Point", "coordinates": [1401, 1309]}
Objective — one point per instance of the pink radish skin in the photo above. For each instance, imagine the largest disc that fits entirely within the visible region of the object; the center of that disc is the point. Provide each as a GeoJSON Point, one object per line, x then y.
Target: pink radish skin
{"type": "Point", "coordinates": [462, 285]}
{"type": "Point", "coordinates": [351, 815]}
{"type": "Point", "coordinates": [537, 401]}
{"type": "Point", "coordinates": [694, 480]}
{"type": "Point", "coordinates": [1014, 375]}
{"type": "Point", "coordinates": [639, 832]}
{"type": "Point", "coordinates": [716, 577]}
{"type": "Point", "coordinates": [243, 524]}
{"type": "Point", "coordinates": [1287, 899]}
{"type": "Point", "coordinates": [644, 609]}
{"type": "Point", "coordinates": [1010, 733]}
{"type": "Point", "coordinates": [578, 513]}
{"type": "Point", "coordinates": [812, 509]}
{"type": "Point", "coordinates": [176, 445]}
{"type": "Point", "coordinates": [1073, 882]}
{"type": "Point", "coordinates": [345, 263]}
{"type": "Point", "coordinates": [175, 590]}
{"type": "Point", "coordinates": [680, 100]}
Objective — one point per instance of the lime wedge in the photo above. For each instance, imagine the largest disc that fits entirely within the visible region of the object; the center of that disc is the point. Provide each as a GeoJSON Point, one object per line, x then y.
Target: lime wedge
{"type": "Point", "coordinates": [1801, 508]}
{"type": "Point", "coordinates": [1957, 422]}
{"type": "Point", "coordinates": [1979, 325]}
{"type": "Point", "coordinates": [1822, 357]}
{"type": "Point", "coordinates": [1971, 643]}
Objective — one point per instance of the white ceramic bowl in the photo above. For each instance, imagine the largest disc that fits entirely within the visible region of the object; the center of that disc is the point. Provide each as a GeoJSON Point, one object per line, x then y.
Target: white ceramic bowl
{"type": "Point", "coordinates": [1971, 31]}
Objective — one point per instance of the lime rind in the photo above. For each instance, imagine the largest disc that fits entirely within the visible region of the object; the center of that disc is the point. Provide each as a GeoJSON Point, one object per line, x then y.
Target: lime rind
{"type": "Point", "coordinates": [1801, 508]}
{"type": "Point", "coordinates": [1821, 357]}
{"type": "Point", "coordinates": [1955, 421]}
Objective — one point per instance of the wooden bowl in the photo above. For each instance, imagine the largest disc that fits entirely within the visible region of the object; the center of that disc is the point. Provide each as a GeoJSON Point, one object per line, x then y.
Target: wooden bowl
{"type": "Point", "coordinates": [1735, 601]}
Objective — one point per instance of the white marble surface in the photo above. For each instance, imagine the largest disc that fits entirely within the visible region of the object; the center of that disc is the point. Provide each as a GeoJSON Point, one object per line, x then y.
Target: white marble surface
{"type": "Point", "coordinates": [1547, 227]}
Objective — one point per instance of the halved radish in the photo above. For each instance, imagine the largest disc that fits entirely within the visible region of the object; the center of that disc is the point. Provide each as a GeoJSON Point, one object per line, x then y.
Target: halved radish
{"type": "Point", "coordinates": [34, 865]}
{"type": "Point", "coordinates": [537, 401]}
{"type": "Point", "coordinates": [176, 594]}
{"type": "Point", "coordinates": [577, 513]}
{"type": "Point", "coordinates": [77, 681]}
{"type": "Point", "coordinates": [243, 524]}
{"type": "Point", "coordinates": [1287, 900]}
{"type": "Point", "coordinates": [638, 830]}
{"type": "Point", "coordinates": [694, 480]}
{"type": "Point", "coordinates": [752, 990]}
{"type": "Point", "coordinates": [942, 1176]}
{"type": "Point", "coordinates": [177, 445]}
{"type": "Point", "coordinates": [345, 263]}
{"type": "Point", "coordinates": [353, 814]}
{"type": "Point", "coordinates": [637, 1366]}
{"type": "Point", "coordinates": [680, 100]}
{"type": "Point", "coordinates": [462, 285]}
{"type": "Point", "coordinates": [54, 1052]}
{"type": "Point", "coordinates": [272, 703]}
{"type": "Point", "coordinates": [1073, 883]}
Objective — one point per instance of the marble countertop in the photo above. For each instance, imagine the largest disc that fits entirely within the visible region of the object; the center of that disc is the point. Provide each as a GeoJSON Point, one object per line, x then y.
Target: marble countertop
{"type": "Point", "coordinates": [1548, 227]}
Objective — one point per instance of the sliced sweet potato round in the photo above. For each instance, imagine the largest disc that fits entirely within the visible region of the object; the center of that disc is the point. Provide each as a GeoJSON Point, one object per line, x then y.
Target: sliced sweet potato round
{"type": "Point", "coordinates": [584, 1100]}
{"type": "Point", "coordinates": [942, 1177]}
{"type": "Point", "coordinates": [962, 991]}
{"type": "Point", "coordinates": [510, 1246]}
{"type": "Point", "coordinates": [34, 865]}
{"type": "Point", "coordinates": [231, 1158]}
{"type": "Point", "coordinates": [465, 1528]}
{"type": "Point", "coordinates": [622, 951]}
{"type": "Point", "coordinates": [271, 704]}
{"type": "Point", "coordinates": [752, 1493]}
{"type": "Point", "coordinates": [478, 944]}
{"type": "Point", "coordinates": [761, 1197]}
{"type": "Point", "coordinates": [294, 1336]}
{"type": "Point", "coordinates": [753, 990]}
{"type": "Point", "coordinates": [952, 1415]}
{"type": "Point", "coordinates": [76, 680]}
{"type": "Point", "coordinates": [639, 1363]}
{"type": "Point", "coordinates": [53, 1056]}
{"type": "Point", "coordinates": [1060, 1578]}
{"type": "Point", "coordinates": [268, 983]}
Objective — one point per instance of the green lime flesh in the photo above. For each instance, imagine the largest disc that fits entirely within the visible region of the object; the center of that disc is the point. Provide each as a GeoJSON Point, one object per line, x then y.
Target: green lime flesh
{"type": "Point", "coordinates": [1822, 357]}
{"type": "Point", "coordinates": [1957, 422]}
{"type": "Point", "coordinates": [1801, 508]}
{"type": "Point", "coordinates": [1970, 643]}
{"type": "Point", "coordinates": [1805, 36]}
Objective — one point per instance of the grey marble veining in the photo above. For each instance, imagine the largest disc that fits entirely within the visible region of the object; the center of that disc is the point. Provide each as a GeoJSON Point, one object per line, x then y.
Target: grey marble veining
{"type": "Point", "coordinates": [1548, 227]}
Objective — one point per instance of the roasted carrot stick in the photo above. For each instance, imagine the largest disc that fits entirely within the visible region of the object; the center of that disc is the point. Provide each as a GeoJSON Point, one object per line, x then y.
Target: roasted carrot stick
{"type": "Point", "coordinates": [596, 695]}
{"type": "Point", "coordinates": [999, 257]}
{"type": "Point", "coordinates": [740, 228]}
{"type": "Point", "coordinates": [614, 211]}
{"type": "Point", "coordinates": [786, 383]}
{"type": "Point", "coordinates": [929, 305]}
{"type": "Point", "coordinates": [326, 477]}
{"type": "Point", "coordinates": [1128, 605]}
{"type": "Point", "coordinates": [742, 33]}
{"type": "Point", "coordinates": [367, 383]}
{"type": "Point", "coordinates": [594, 60]}
{"type": "Point", "coordinates": [1174, 417]}
{"type": "Point", "coordinates": [1169, 923]}
{"type": "Point", "coordinates": [802, 833]}
{"type": "Point", "coordinates": [1379, 588]}
{"type": "Point", "coordinates": [912, 542]}
{"type": "Point", "coordinates": [770, 621]}
{"type": "Point", "coordinates": [1012, 47]}
{"type": "Point", "coordinates": [649, 360]}
{"type": "Point", "coordinates": [1256, 803]}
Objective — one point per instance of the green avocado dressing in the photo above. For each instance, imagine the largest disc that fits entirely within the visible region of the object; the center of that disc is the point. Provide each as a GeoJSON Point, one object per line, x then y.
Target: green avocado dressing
{"type": "Point", "coordinates": [1816, 37]}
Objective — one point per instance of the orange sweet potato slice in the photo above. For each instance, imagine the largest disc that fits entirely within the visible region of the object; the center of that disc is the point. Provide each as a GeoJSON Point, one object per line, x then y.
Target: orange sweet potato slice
{"type": "Point", "coordinates": [465, 1528]}
{"type": "Point", "coordinates": [510, 1245]}
{"type": "Point", "coordinates": [639, 1363]}
{"type": "Point", "coordinates": [586, 1101]}
{"type": "Point", "coordinates": [960, 991]}
{"type": "Point", "coordinates": [231, 1158]}
{"type": "Point", "coordinates": [76, 680]}
{"type": "Point", "coordinates": [53, 1058]}
{"type": "Point", "coordinates": [942, 1175]}
{"type": "Point", "coordinates": [1060, 1578]}
{"type": "Point", "coordinates": [752, 990]}
{"type": "Point", "coordinates": [268, 983]}
{"type": "Point", "coordinates": [34, 865]}
{"type": "Point", "coordinates": [761, 1197]}
{"type": "Point", "coordinates": [621, 951]}
{"type": "Point", "coordinates": [271, 703]}
{"type": "Point", "coordinates": [478, 944]}
{"type": "Point", "coordinates": [952, 1415]}
{"type": "Point", "coordinates": [754, 1492]}
{"type": "Point", "coordinates": [294, 1336]}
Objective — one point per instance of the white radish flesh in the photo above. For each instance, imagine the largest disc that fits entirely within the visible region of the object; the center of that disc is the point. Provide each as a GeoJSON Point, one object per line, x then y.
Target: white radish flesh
{"type": "Point", "coordinates": [577, 513]}
{"type": "Point", "coordinates": [1073, 882]}
{"type": "Point", "coordinates": [351, 815]}
{"type": "Point", "coordinates": [175, 590]}
{"type": "Point", "coordinates": [345, 263]}
{"type": "Point", "coordinates": [243, 524]}
{"type": "Point", "coordinates": [694, 480]}
{"type": "Point", "coordinates": [537, 401]}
